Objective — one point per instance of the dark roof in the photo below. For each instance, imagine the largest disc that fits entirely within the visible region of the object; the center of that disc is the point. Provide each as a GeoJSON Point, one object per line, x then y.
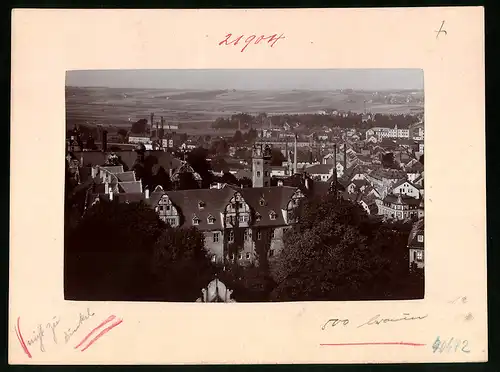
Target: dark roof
{"type": "Point", "coordinates": [275, 198]}
{"type": "Point", "coordinates": [319, 169]}
{"type": "Point", "coordinates": [405, 199]}
{"type": "Point", "coordinates": [128, 158]}
{"type": "Point", "coordinates": [85, 173]}
{"type": "Point", "coordinates": [215, 201]}
{"type": "Point", "coordinates": [402, 182]}
{"type": "Point", "coordinates": [126, 176]}
{"type": "Point", "coordinates": [130, 187]}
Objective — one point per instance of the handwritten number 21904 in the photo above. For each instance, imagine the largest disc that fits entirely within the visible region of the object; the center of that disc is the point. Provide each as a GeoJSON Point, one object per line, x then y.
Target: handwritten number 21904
{"type": "Point", "coordinates": [451, 345]}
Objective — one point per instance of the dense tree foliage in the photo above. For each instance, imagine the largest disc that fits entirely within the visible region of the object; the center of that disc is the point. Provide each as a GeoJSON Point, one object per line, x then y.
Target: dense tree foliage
{"type": "Point", "coordinates": [336, 252]}
{"type": "Point", "coordinates": [124, 252]}
{"type": "Point", "coordinates": [139, 127]}
{"type": "Point", "coordinates": [108, 254]}
{"type": "Point", "coordinates": [181, 264]}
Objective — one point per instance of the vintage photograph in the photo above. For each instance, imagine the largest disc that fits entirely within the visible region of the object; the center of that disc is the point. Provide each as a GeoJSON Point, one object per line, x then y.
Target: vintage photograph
{"type": "Point", "coordinates": [244, 185]}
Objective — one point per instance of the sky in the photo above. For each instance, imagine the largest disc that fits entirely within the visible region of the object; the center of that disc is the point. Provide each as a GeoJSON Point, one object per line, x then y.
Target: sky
{"type": "Point", "coordinates": [283, 79]}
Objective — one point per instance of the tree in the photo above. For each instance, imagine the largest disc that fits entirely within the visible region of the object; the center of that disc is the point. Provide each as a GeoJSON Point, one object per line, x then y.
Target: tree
{"type": "Point", "coordinates": [330, 255]}
{"type": "Point", "coordinates": [388, 160]}
{"type": "Point", "coordinates": [277, 157]}
{"type": "Point", "coordinates": [238, 137]}
{"type": "Point", "coordinates": [245, 182]}
{"type": "Point", "coordinates": [140, 126]}
{"type": "Point", "coordinates": [181, 264]}
{"type": "Point", "coordinates": [229, 178]}
{"type": "Point", "coordinates": [108, 254]}
{"type": "Point", "coordinates": [187, 181]}
{"type": "Point", "coordinates": [197, 158]}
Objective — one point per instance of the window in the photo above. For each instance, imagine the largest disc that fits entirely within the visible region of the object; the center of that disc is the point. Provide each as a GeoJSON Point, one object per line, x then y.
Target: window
{"type": "Point", "coordinates": [240, 256]}
{"type": "Point", "coordinates": [419, 255]}
{"type": "Point", "coordinates": [266, 184]}
{"type": "Point", "coordinates": [248, 256]}
{"type": "Point", "coordinates": [259, 235]}
{"type": "Point", "coordinates": [196, 221]}
{"type": "Point", "coordinates": [172, 221]}
{"type": "Point", "coordinates": [272, 215]}
{"type": "Point", "coordinates": [214, 258]}
{"type": "Point", "coordinates": [257, 217]}
{"type": "Point", "coordinates": [272, 233]}
{"type": "Point", "coordinates": [271, 252]}
{"type": "Point", "coordinates": [230, 236]}
{"type": "Point", "coordinates": [248, 234]}
{"type": "Point", "coordinates": [216, 237]}
{"type": "Point", "coordinates": [266, 173]}
{"type": "Point", "coordinates": [420, 238]}
{"type": "Point", "coordinates": [167, 207]}
{"type": "Point", "coordinates": [211, 220]}
{"type": "Point", "coordinates": [262, 202]}
{"type": "Point", "coordinates": [258, 173]}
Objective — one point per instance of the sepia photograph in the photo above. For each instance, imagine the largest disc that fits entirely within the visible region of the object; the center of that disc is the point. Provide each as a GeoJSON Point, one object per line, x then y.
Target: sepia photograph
{"type": "Point", "coordinates": [244, 185]}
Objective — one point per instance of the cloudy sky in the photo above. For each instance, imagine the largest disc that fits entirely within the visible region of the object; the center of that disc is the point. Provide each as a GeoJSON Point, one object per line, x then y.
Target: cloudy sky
{"type": "Point", "coordinates": [369, 79]}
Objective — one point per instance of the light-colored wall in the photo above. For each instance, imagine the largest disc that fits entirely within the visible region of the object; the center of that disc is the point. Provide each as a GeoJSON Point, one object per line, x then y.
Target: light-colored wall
{"type": "Point", "coordinates": [420, 264]}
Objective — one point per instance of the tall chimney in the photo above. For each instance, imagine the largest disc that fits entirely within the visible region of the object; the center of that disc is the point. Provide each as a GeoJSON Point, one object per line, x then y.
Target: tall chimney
{"type": "Point", "coordinates": [152, 120]}
{"type": "Point", "coordinates": [334, 171]}
{"type": "Point", "coordinates": [295, 155]}
{"type": "Point", "coordinates": [104, 140]}
{"type": "Point", "coordinates": [345, 156]}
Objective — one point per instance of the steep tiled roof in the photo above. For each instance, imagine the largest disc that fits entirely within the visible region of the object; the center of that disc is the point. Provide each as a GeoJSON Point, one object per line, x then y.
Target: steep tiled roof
{"type": "Point", "coordinates": [319, 169]}
{"type": "Point", "coordinates": [126, 176]}
{"type": "Point", "coordinates": [215, 200]}
{"type": "Point", "coordinates": [390, 198]}
{"type": "Point", "coordinates": [130, 187]}
{"type": "Point", "coordinates": [128, 158]}
{"type": "Point", "coordinates": [114, 169]}
{"type": "Point", "coordinates": [402, 182]}
{"type": "Point", "coordinates": [275, 199]}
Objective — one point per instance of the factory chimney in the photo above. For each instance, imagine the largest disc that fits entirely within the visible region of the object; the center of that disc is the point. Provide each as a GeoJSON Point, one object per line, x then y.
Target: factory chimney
{"type": "Point", "coordinates": [345, 156]}
{"type": "Point", "coordinates": [104, 140]}
{"type": "Point", "coordinates": [295, 155]}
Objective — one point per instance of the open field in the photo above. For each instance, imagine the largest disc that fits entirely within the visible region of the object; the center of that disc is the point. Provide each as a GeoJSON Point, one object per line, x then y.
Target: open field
{"type": "Point", "coordinates": [195, 110]}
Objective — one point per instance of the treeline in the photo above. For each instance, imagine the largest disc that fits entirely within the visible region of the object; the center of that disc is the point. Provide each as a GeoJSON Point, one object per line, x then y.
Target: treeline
{"type": "Point", "coordinates": [315, 121]}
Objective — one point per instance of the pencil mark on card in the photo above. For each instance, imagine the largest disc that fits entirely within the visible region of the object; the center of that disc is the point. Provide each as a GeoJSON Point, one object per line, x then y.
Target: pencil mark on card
{"type": "Point", "coordinates": [450, 345]}
{"type": "Point", "coordinates": [441, 31]}
{"type": "Point", "coordinates": [251, 39]}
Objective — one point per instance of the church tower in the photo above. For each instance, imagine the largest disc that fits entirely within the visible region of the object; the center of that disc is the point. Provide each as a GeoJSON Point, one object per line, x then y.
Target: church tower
{"type": "Point", "coordinates": [261, 165]}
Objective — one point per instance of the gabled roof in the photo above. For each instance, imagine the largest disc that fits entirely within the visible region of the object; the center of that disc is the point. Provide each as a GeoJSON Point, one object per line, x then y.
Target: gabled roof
{"type": "Point", "coordinates": [402, 182]}
{"type": "Point", "coordinates": [319, 169]}
{"type": "Point", "coordinates": [126, 176]}
{"type": "Point", "coordinates": [130, 187]}
{"type": "Point", "coordinates": [408, 200]}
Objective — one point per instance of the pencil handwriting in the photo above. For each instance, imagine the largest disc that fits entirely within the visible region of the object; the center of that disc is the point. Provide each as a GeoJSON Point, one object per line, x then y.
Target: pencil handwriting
{"type": "Point", "coordinates": [376, 320]}
{"type": "Point", "coordinates": [81, 319]}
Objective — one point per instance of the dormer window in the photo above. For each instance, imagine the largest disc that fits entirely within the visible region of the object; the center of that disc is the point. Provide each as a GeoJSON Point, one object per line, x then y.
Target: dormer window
{"type": "Point", "coordinates": [257, 217]}
{"type": "Point", "coordinates": [196, 221]}
{"type": "Point", "coordinates": [201, 205]}
{"type": "Point", "coordinates": [272, 215]}
{"type": "Point", "coordinates": [262, 202]}
{"type": "Point", "coordinates": [211, 220]}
